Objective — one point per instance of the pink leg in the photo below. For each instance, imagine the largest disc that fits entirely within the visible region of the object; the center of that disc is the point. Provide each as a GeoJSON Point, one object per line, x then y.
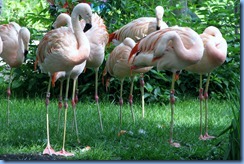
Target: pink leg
{"type": "Point", "coordinates": [76, 96]}
{"type": "Point", "coordinates": [63, 152]}
{"type": "Point", "coordinates": [206, 135]}
{"type": "Point", "coordinates": [172, 102]}
{"type": "Point", "coordinates": [121, 102]}
{"type": "Point", "coordinates": [8, 111]}
{"type": "Point", "coordinates": [48, 150]}
{"type": "Point", "coordinates": [9, 94]}
{"type": "Point", "coordinates": [60, 104]}
{"type": "Point", "coordinates": [131, 99]}
{"type": "Point", "coordinates": [201, 137]}
{"type": "Point", "coordinates": [142, 83]}
{"type": "Point", "coordinates": [97, 98]}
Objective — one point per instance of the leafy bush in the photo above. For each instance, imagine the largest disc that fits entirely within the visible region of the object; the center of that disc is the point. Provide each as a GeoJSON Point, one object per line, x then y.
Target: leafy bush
{"type": "Point", "coordinates": [38, 18]}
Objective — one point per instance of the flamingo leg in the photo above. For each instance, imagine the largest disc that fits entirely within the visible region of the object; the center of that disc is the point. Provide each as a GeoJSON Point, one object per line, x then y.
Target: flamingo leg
{"type": "Point", "coordinates": [142, 83]}
{"type": "Point", "coordinates": [74, 108]}
{"type": "Point", "coordinates": [76, 93]}
{"type": "Point", "coordinates": [63, 152]}
{"type": "Point", "coordinates": [172, 101]}
{"type": "Point", "coordinates": [75, 98]}
{"type": "Point", "coordinates": [206, 135]}
{"type": "Point", "coordinates": [201, 137]}
{"type": "Point", "coordinates": [121, 102]}
{"type": "Point", "coordinates": [9, 94]}
{"type": "Point", "coordinates": [48, 150]}
{"type": "Point", "coordinates": [131, 98]}
{"type": "Point", "coordinates": [60, 103]}
{"type": "Point", "coordinates": [97, 98]}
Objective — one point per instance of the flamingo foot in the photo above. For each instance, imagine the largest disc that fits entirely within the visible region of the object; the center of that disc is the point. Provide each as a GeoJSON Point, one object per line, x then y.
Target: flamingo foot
{"type": "Point", "coordinates": [64, 153]}
{"type": "Point", "coordinates": [208, 137]}
{"type": "Point", "coordinates": [201, 137]}
{"type": "Point", "coordinates": [175, 144]}
{"type": "Point", "coordinates": [49, 150]}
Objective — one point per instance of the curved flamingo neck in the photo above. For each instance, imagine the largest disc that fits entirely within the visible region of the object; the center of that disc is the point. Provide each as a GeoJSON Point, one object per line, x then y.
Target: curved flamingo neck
{"type": "Point", "coordinates": [83, 42]}
{"type": "Point", "coordinates": [21, 49]}
{"type": "Point", "coordinates": [191, 55]}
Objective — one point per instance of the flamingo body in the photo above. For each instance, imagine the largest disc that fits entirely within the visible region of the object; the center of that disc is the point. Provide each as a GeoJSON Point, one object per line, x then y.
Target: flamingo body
{"type": "Point", "coordinates": [139, 28]}
{"type": "Point", "coordinates": [215, 52]}
{"type": "Point", "coordinates": [62, 49]}
{"type": "Point", "coordinates": [13, 49]}
{"type": "Point", "coordinates": [60, 46]}
{"type": "Point", "coordinates": [98, 38]}
{"type": "Point", "coordinates": [172, 49]}
{"type": "Point", "coordinates": [161, 49]}
{"type": "Point", "coordinates": [15, 41]}
{"type": "Point", "coordinates": [117, 65]}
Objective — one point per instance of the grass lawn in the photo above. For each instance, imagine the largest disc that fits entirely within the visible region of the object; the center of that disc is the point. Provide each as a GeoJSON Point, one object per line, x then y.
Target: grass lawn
{"type": "Point", "coordinates": [147, 139]}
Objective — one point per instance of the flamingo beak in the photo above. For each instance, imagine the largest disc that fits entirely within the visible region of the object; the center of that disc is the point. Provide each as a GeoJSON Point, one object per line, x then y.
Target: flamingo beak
{"type": "Point", "coordinates": [87, 27]}
{"type": "Point", "coordinates": [25, 54]}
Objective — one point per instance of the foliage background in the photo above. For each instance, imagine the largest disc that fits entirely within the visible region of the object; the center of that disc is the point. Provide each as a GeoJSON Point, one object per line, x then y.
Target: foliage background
{"type": "Point", "coordinates": [38, 18]}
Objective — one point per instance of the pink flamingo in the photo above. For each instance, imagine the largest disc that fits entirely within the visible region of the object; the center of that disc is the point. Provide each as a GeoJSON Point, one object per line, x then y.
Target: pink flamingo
{"type": "Point", "coordinates": [60, 50]}
{"type": "Point", "coordinates": [96, 56]}
{"type": "Point", "coordinates": [1, 45]}
{"type": "Point", "coordinates": [14, 46]}
{"type": "Point", "coordinates": [117, 65]}
{"type": "Point", "coordinates": [97, 44]}
{"type": "Point", "coordinates": [215, 52]}
{"type": "Point", "coordinates": [172, 49]}
{"type": "Point", "coordinates": [136, 30]}
{"type": "Point", "coordinates": [139, 28]}
{"type": "Point", "coordinates": [62, 20]}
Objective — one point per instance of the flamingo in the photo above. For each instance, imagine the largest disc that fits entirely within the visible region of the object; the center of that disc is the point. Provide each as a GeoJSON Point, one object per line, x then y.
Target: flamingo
{"type": "Point", "coordinates": [1, 45]}
{"type": "Point", "coordinates": [62, 20]}
{"type": "Point", "coordinates": [215, 52]}
{"type": "Point", "coordinates": [60, 50]}
{"type": "Point", "coordinates": [136, 30]}
{"type": "Point", "coordinates": [97, 44]}
{"type": "Point", "coordinates": [117, 65]}
{"type": "Point", "coordinates": [98, 38]}
{"type": "Point", "coordinates": [139, 28]}
{"type": "Point", "coordinates": [14, 48]}
{"type": "Point", "coordinates": [172, 49]}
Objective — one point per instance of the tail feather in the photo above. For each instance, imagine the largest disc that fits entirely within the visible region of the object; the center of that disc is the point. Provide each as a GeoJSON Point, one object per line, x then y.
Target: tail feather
{"type": "Point", "coordinates": [54, 79]}
{"type": "Point", "coordinates": [111, 37]}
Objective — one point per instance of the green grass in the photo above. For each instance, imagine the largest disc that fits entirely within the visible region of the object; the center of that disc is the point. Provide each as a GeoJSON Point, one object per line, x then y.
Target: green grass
{"type": "Point", "coordinates": [27, 130]}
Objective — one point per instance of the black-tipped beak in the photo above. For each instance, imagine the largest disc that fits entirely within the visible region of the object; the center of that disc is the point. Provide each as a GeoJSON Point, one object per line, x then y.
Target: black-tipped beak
{"type": "Point", "coordinates": [25, 53]}
{"type": "Point", "coordinates": [52, 28]}
{"type": "Point", "coordinates": [87, 27]}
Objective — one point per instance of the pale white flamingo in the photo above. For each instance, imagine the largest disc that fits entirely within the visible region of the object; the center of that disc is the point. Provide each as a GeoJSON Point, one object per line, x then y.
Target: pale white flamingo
{"type": "Point", "coordinates": [60, 50]}
{"type": "Point", "coordinates": [97, 44]}
{"type": "Point", "coordinates": [136, 30]}
{"type": "Point", "coordinates": [215, 52]}
{"type": "Point", "coordinates": [172, 49]}
{"type": "Point", "coordinates": [15, 45]}
{"type": "Point", "coordinates": [117, 65]}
